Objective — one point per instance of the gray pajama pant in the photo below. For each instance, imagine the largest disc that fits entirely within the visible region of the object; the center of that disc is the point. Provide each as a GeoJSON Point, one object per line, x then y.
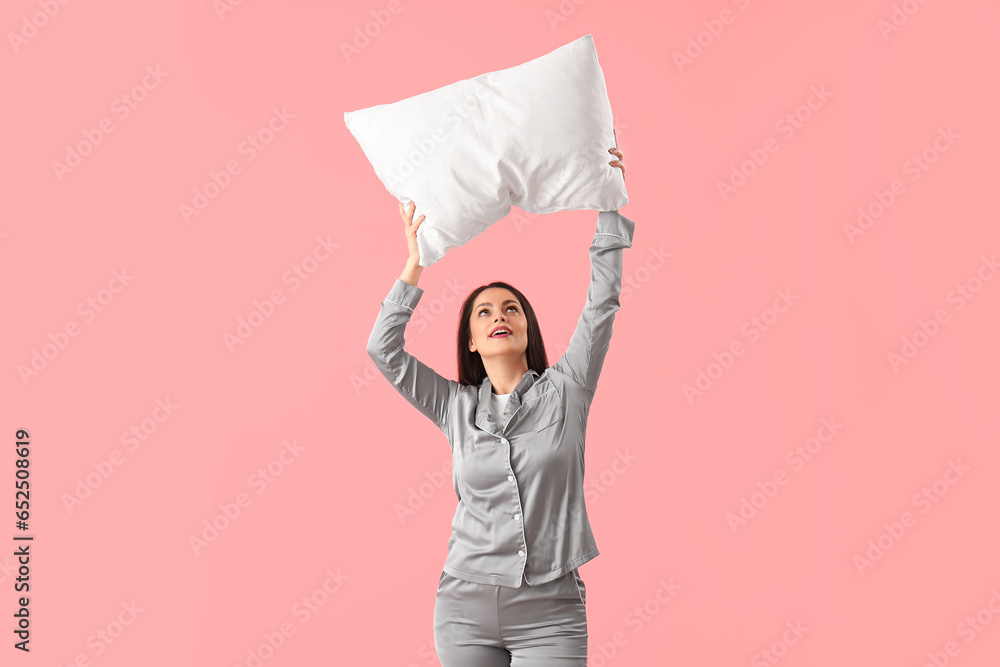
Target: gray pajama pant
{"type": "Point", "coordinates": [481, 625]}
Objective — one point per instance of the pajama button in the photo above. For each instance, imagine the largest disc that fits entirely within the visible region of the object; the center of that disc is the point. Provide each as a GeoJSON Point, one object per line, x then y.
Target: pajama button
{"type": "Point", "coordinates": [517, 517]}
{"type": "Point", "coordinates": [510, 478]}
{"type": "Point", "coordinates": [520, 553]}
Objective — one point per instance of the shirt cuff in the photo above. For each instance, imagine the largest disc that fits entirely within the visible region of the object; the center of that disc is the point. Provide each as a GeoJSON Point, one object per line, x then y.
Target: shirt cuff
{"type": "Point", "coordinates": [404, 294]}
{"type": "Point", "coordinates": [614, 230]}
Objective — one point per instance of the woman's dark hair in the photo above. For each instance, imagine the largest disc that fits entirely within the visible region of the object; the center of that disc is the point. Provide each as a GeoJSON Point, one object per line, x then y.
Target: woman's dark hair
{"type": "Point", "coordinates": [470, 364]}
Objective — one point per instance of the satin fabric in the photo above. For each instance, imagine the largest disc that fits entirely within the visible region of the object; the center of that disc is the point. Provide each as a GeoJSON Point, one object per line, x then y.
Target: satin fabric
{"type": "Point", "coordinates": [521, 513]}
{"type": "Point", "coordinates": [484, 625]}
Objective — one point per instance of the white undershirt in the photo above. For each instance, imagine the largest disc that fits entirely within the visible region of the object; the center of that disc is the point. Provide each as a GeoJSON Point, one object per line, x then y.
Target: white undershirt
{"type": "Point", "coordinates": [498, 402]}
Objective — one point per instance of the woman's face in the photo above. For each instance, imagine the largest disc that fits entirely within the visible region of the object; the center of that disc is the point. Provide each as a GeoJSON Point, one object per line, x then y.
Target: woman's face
{"type": "Point", "coordinates": [498, 307]}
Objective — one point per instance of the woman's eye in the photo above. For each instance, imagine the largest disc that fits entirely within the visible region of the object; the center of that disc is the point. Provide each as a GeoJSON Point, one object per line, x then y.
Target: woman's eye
{"type": "Point", "coordinates": [486, 310]}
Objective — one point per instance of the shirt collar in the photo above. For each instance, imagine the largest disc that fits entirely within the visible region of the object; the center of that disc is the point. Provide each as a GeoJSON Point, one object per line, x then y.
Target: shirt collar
{"type": "Point", "coordinates": [485, 394]}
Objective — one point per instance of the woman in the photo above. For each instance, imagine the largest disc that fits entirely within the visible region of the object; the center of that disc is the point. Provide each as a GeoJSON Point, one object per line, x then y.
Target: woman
{"type": "Point", "coordinates": [510, 592]}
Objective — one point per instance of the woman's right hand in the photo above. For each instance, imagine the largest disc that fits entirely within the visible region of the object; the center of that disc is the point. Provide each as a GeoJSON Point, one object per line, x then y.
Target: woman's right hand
{"type": "Point", "coordinates": [410, 229]}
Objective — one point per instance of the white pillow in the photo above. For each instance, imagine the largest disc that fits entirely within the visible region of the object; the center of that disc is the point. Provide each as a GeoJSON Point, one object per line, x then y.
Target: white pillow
{"type": "Point", "coordinates": [535, 136]}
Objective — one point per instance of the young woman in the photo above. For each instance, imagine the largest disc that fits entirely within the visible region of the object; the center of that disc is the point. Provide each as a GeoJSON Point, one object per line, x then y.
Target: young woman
{"type": "Point", "coordinates": [510, 592]}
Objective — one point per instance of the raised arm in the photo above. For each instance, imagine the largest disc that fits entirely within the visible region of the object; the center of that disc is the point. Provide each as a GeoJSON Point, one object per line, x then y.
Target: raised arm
{"type": "Point", "coordinates": [583, 360]}
{"type": "Point", "coordinates": [426, 390]}
{"type": "Point", "coordinates": [419, 384]}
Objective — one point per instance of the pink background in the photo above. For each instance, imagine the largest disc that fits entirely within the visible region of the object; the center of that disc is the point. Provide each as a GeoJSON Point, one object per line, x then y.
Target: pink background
{"type": "Point", "coordinates": [304, 375]}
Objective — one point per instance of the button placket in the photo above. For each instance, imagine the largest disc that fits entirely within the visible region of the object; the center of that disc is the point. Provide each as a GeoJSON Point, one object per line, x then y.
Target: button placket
{"type": "Point", "coordinates": [517, 496]}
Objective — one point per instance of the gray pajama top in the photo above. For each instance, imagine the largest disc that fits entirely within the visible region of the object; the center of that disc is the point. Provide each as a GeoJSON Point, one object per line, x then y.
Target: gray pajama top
{"type": "Point", "coordinates": [521, 509]}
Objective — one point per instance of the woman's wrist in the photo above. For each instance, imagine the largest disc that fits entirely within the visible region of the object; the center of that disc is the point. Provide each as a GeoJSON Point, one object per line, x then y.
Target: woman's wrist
{"type": "Point", "coordinates": [412, 270]}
